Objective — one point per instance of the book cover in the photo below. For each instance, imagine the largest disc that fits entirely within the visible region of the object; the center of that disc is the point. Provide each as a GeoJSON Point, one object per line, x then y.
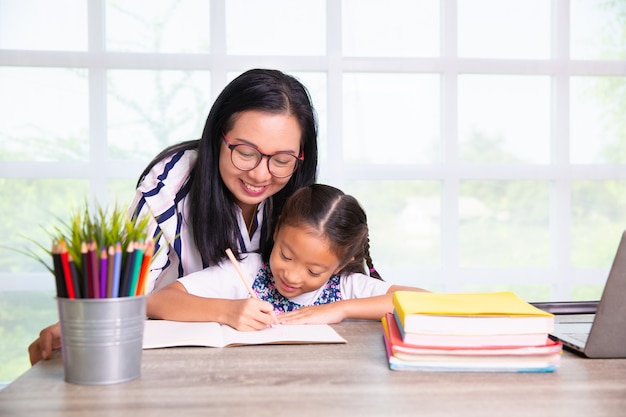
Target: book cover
{"type": "Point", "coordinates": [165, 333]}
{"type": "Point", "coordinates": [469, 313]}
{"type": "Point", "coordinates": [461, 339]}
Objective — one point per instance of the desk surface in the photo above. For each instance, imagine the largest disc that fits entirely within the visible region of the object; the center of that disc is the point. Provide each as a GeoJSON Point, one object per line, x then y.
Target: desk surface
{"type": "Point", "coordinates": [330, 380]}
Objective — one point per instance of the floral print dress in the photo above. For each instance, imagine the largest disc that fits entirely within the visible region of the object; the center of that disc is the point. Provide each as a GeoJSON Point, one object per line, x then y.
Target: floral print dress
{"type": "Point", "coordinates": [265, 289]}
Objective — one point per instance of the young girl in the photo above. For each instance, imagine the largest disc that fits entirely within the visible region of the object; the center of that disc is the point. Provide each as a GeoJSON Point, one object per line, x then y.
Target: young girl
{"type": "Point", "coordinates": [315, 273]}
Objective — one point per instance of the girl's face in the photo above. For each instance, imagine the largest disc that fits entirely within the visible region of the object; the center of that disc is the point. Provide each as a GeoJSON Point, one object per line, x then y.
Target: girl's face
{"type": "Point", "coordinates": [301, 260]}
{"type": "Point", "coordinates": [269, 133]}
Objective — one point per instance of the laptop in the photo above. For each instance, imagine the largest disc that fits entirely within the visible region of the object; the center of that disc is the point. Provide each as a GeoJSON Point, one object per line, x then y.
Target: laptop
{"type": "Point", "coordinates": [599, 334]}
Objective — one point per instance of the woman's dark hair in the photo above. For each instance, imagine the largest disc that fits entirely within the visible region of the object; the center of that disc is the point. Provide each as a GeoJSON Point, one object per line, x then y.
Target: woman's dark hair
{"type": "Point", "coordinates": [337, 217]}
{"type": "Point", "coordinates": [212, 215]}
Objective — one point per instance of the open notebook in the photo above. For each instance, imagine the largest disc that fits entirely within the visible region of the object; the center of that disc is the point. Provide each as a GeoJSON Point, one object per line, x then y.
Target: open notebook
{"type": "Point", "coordinates": [603, 334]}
{"type": "Point", "coordinates": [164, 333]}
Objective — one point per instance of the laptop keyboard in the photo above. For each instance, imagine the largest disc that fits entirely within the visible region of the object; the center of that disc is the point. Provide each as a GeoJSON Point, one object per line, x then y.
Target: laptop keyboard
{"type": "Point", "coordinates": [580, 337]}
{"type": "Point", "coordinates": [574, 318]}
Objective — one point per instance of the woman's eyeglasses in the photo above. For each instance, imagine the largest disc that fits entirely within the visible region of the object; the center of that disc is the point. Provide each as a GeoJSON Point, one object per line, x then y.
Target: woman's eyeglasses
{"type": "Point", "coordinates": [247, 157]}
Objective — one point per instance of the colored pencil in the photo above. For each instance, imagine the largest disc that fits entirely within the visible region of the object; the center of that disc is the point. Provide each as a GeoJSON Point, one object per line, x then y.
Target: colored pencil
{"type": "Point", "coordinates": [66, 271]}
{"type": "Point", "coordinates": [84, 279]}
{"type": "Point", "coordinates": [136, 268]}
{"type": "Point", "coordinates": [95, 270]}
{"type": "Point", "coordinates": [91, 289]}
{"type": "Point", "coordinates": [127, 264]}
{"type": "Point", "coordinates": [145, 267]}
{"type": "Point", "coordinates": [103, 273]}
{"type": "Point", "coordinates": [117, 269]}
{"type": "Point", "coordinates": [75, 276]}
{"type": "Point", "coordinates": [110, 269]}
{"type": "Point", "coordinates": [59, 279]}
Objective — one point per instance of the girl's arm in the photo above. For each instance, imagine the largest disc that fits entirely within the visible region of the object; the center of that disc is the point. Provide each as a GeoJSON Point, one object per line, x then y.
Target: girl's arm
{"type": "Point", "coordinates": [369, 308]}
{"type": "Point", "coordinates": [175, 303]}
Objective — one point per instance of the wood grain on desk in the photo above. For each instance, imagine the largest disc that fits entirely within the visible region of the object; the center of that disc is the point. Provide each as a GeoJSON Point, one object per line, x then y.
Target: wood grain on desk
{"type": "Point", "coordinates": [327, 380]}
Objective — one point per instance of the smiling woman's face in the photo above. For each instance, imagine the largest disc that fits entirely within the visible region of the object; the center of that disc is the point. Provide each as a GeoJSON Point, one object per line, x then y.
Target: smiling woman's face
{"type": "Point", "coordinates": [270, 133]}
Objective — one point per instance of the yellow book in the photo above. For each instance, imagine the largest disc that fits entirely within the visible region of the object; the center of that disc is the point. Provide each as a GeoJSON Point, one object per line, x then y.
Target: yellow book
{"type": "Point", "coordinates": [469, 313]}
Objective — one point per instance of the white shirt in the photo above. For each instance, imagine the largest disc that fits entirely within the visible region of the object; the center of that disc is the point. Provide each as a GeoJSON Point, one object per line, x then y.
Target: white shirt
{"type": "Point", "coordinates": [222, 281]}
{"type": "Point", "coordinates": [163, 197]}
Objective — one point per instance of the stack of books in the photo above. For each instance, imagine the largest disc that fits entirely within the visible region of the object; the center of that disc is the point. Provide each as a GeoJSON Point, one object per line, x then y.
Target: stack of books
{"type": "Point", "coordinates": [470, 332]}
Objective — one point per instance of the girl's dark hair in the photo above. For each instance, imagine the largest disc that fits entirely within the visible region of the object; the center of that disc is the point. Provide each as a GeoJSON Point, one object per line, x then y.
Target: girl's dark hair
{"type": "Point", "coordinates": [211, 205]}
{"type": "Point", "coordinates": [336, 216]}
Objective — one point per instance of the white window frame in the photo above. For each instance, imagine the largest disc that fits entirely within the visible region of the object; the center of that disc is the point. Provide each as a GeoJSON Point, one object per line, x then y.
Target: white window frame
{"type": "Point", "coordinates": [559, 172]}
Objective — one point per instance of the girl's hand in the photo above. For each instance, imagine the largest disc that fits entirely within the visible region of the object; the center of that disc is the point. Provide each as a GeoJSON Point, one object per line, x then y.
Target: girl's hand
{"type": "Point", "coordinates": [322, 314]}
{"type": "Point", "coordinates": [250, 314]}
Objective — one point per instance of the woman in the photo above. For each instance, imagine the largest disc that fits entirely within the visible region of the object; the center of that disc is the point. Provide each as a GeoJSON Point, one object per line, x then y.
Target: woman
{"type": "Point", "coordinates": [226, 189]}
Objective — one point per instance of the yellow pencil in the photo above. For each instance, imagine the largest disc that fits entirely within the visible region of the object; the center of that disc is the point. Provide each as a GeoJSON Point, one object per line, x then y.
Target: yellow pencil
{"type": "Point", "coordinates": [232, 258]}
{"type": "Point", "coordinates": [235, 263]}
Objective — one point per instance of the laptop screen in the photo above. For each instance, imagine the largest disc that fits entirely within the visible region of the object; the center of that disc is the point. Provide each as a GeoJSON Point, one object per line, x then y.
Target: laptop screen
{"type": "Point", "coordinates": [568, 307]}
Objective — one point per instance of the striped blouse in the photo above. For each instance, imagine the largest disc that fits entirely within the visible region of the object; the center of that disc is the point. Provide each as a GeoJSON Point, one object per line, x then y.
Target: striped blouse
{"type": "Point", "coordinates": [162, 196]}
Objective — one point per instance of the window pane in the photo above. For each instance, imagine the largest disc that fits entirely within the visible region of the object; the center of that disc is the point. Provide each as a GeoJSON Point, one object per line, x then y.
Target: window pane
{"type": "Point", "coordinates": [122, 192]}
{"type": "Point", "coordinates": [317, 84]}
{"type": "Point", "coordinates": [149, 110]}
{"type": "Point", "coordinates": [401, 28]}
{"type": "Point", "coordinates": [598, 29]}
{"type": "Point", "coordinates": [597, 123]}
{"type": "Point", "coordinates": [276, 27]}
{"type": "Point", "coordinates": [504, 119]}
{"type": "Point", "coordinates": [598, 220]}
{"type": "Point", "coordinates": [530, 292]}
{"type": "Point", "coordinates": [45, 114]}
{"type": "Point", "coordinates": [43, 25]}
{"type": "Point", "coordinates": [504, 224]}
{"type": "Point", "coordinates": [158, 26]}
{"type": "Point", "coordinates": [22, 316]}
{"type": "Point", "coordinates": [404, 219]}
{"type": "Point", "coordinates": [391, 118]}
{"type": "Point", "coordinates": [588, 292]}
{"type": "Point", "coordinates": [42, 205]}
{"type": "Point", "coordinates": [502, 29]}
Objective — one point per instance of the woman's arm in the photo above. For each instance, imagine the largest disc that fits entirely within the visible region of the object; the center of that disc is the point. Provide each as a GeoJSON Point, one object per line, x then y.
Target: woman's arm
{"type": "Point", "coordinates": [369, 308]}
{"type": "Point", "coordinates": [139, 209]}
{"type": "Point", "coordinates": [175, 303]}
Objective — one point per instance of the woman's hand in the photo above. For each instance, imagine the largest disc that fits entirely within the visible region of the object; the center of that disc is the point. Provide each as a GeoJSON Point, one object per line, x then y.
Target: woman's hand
{"type": "Point", "coordinates": [49, 339]}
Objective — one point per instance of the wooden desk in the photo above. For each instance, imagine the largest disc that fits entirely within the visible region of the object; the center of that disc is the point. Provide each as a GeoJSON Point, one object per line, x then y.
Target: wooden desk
{"type": "Point", "coordinates": [321, 380]}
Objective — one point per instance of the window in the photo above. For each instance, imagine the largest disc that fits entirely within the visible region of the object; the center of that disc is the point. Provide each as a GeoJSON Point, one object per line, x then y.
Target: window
{"type": "Point", "coordinates": [485, 138]}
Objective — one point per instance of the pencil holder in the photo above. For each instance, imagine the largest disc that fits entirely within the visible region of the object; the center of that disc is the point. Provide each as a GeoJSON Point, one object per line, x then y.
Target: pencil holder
{"type": "Point", "coordinates": [100, 262]}
{"type": "Point", "coordinates": [102, 339]}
